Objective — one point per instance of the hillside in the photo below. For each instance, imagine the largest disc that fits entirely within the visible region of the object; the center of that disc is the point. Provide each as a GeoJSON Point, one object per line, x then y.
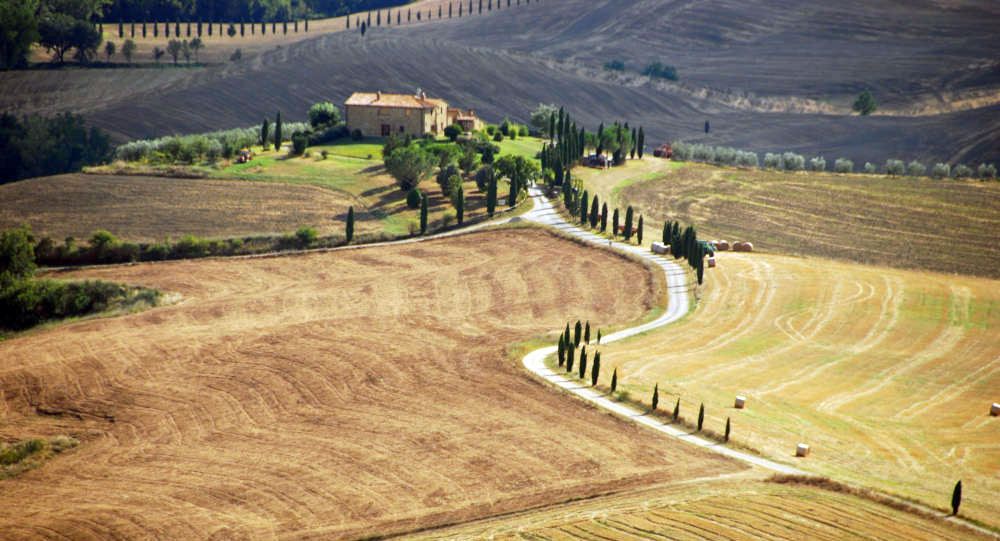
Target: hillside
{"type": "Point", "coordinates": [768, 80]}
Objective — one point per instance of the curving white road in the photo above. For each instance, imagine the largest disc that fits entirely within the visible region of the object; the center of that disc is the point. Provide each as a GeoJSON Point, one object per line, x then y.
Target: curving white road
{"type": "Point", "coordinates": [677, 306]}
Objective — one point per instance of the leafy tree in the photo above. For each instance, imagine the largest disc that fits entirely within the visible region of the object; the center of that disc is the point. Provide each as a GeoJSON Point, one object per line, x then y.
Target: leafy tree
{"type": "Point", "coordinates": [701, 416]}
{"type": "Point", "coordinates": [453, 131]}
{"type": "Point", "coordinates": [446, 179]}
{"type": "Point", "coordinates": [423, 213]}
{"type": "Point", "coordinates": [956, 498]}
{"type": "Point", "coordinates": [158, 54]}
{"type": "Point", "coordinates": [323, 114]}
{"type": "Point", "coordinates": [19, 22]}
{"type": "Point", "coordinates": [277, 132]}
{"type": "Point", "coordinates": [17, 255]}
{"type": "Point", "coordinates": [727, 430]}
{"type": "Point", "coordinates": [656, 395]}
{"type": "Point", "coordinates": [578, 333]}
{"type": "Point", "coordinates": [409, 165]}
{"type": "Point", "coordinates": [484, 176]}
{"type": "Point", "coordinates": [109, 50]}
{"type": "Point", "coordinates": [186, 51]}
{"type": "Point", "coordinates": [174, 48]}
{"type": "Point", "coordinates": [35, 146]}
{"type": "Point", "coordinates": [128, 50]}
{"type": "Point", "coordinates": [349, 230]}
{"type": "Point", "coordinates": [467, 160]}
{"type": "Point", "coordinates": [596, 369]}
{"type": "Point", "coordinates": [541, 119]}
{"type": "Point", "coordinates": [196, 45]}
{"type": "Point", "coordinates": [865, 104]}
{"type": "Point", "coordinates": [614, 380]}
{"type": "Point", "coordinates": [60, 31]}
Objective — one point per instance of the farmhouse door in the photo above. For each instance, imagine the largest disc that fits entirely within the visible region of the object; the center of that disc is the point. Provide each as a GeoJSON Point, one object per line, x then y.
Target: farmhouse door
{"type": "Point", "coordinates": [386, 130]}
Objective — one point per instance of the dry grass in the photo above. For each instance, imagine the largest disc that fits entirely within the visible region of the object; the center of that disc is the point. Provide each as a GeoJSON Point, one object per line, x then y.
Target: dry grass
{"type": "Point", "coordinates": [716, 509]}
{"type": "Point", "coordinates": [888, 374]}
{"type": "Point", "coordinates": [334, 395]}
{"type": "Point", "coordinates": [947, 226]}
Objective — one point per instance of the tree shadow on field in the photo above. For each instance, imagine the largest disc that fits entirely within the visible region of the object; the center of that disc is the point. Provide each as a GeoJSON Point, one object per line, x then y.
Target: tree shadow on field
{"type": "Point", "coordinates": [375, 191]}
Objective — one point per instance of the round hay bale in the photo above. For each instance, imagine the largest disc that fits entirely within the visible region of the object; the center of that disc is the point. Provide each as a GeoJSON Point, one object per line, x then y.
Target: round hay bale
{"type": "Point", "coordinates": [722, 245]}
{"type": "Point", "coordinates": [741, 402]}
{"type": "Point", "coordinates": [802, 450]}
{"type": "Point", "coordinates": [711, 262]}
{"type": "Point", "coordinates": [747, 246]}
{"type": "Point", "coordinates": [995, 410]}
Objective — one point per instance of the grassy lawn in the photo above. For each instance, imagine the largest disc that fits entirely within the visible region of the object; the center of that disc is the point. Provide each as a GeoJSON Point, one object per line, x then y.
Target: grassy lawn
{"type": "Point", "coordinates": [527, 147]}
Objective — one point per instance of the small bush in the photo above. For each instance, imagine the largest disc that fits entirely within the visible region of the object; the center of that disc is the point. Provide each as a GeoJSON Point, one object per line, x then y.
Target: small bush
{"type": "Point", "coordinates": [791, 161]}
{"type": "Point", "coordinates": [895, 168]}
{"type": "Point", "coordinates": [843, 165]}
{"type": "Point", "coordinates": [659, 70]}
{"type": "Point", "coordinates": [941, 170]}
{"type": "Point", "coordinates": [772, 161]}
{"type": "Point", "coordinates": [306, 237]}
{"type": "Point", "coordinates": [962, 171]}
{"type": "Point", "coordinates": [498, 136]}
{"type": "Point", "coordinates": [299, 142]}
{"type": "Point", "coordinates": [817, 164]}
{"type": "Point", "coordinates": [189, 246]}
{"type": "Point", "coordinates": [871, 168]}
{"type": "Point", "coordinates": [916, 169]}
{"type": "Point", "coordinates": [356, 135]}
{"type": "Point", "coordinates": [987, 171]}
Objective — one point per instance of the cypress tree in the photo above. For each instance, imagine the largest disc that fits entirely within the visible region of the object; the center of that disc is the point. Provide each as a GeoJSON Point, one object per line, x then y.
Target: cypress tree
{"type": "Point", "coordinates": [349, 233]}
{"type": "Point", "coordinates": [600, 136]}
{"type": "Point", "coordinates": [265, 129]}
{"type": "Point", "coordinates": [628, 224]}
{"type": "Point", "coordinates": [143, 30]}
{"type": "Point", "coordinates": [701, 416]}
{"type": "Point", "coordinates": [583, 207]}
{"type": "Point", "coordinates": [700, 266]}
{"type": "Point", "coordinates": [583, 362]}
{"type": "Point", "coordinates": [656, 395]}
{"type": "Point", "coordinates": [614, 380]}
{"type": "Point", "coordinates": [593, 212]}
{"type": "Point", "coordinates": [707, 127]}
{"type": "Point", "coordinates": [570, 354]}
{"type": "Point", "coordinates": [578, 333]}
{"type": "Point", "coordinates": [306, 26]}
{"type": "Point", "coordinates": [598, 336]}
{"type": "Point", "coordinates": [586, 333]}
{"type": "Point", "coordinates": [614, 224]}
{"type": "Point", "coordinates": [666, 233]}
{"type": "Point", "coordinates": [156, 29]}
{"type": "Point", "coordinates": [635, 139]}
{"type": "Point", "coordinates": [642, 142]}
{"type": "Point", "coordinates": [491, 197]}
{"type": "Point", "coordinates": [277, 132]}
{"type": "Point", "coordinates": [604, 217]}
{"type": "Point", "coordinates": [568, 335]}
{"type": "Point", "coordinates": [460, 205]}
{"type": "Point", "coordinates": [727, 430]}
{"type": "Point", "coordinates": [596, 370]}
{"type": "Point", "coordinates": [423, 213]}
{"type": "Point", "coordinates": [121, 29]}
{"type": "Point", "coordinates": [956, 498]}
{"type": "Point", "coordinates": [677, 410]}
{"type": "Point", "coordinates": [552, 128]}
{"type": "Point", "coordinates": [638, 233]}
{"type": "Point", "coordinates": [515, 187]}
{"type": "Point", "coordinates": [562, 351]}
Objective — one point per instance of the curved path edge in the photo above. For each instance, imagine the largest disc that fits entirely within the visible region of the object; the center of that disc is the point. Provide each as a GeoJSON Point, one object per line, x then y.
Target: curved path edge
{"type": "Point", "coordinates": [677, 306]}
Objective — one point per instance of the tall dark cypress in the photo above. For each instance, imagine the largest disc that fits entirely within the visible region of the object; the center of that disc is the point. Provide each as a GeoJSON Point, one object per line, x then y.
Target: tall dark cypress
{"type": "Point", "coordinates": [423, 213]}
{"type": "Point", "coordinates": [614, 224]}
{"type": "Point", "coordinates": [562, 351]}
{"type": "Point", "coordinates": [677, 410]}
{"type": "Point", "coordinates": [614, 380]}
{"type": "Point", "coordinates": [586, 333]}
{"type": "Point", "coordinates": [460, 205]}
{"type": "Point", "coordinates": [701, 416]}
{"type": "Point", "coordinates": [491, 197]}
{"type": "Point", "coordinates": [583, 362]}
{"type": "Point", "coordinates": [956, 498]}
{"type": "Point", "coordinates": [349, 230]}
{"type": "Point", "coordinates": [604, 217]}
{"type": "Point", "coordinates": [641, 144]}
{"type": "Point", "coordinates": [727, 430]}
{"type": "Point", "coordinates": [593, 212]}
{"type": "Point", "coordinates": [570, 355]}
{"type": "Point", "coordinates": [577, 333]}
{"type": "Point", "coordinates": [628, 224]}
{"type": "Point", "coordinates": [656, 395]}
{"type": "Point", "coordinates": [277, 132]}
{"type": "Point", "coordinates": [583, 208]}
{"type": "Point", "coordinates": [638, 232]}
{"type": "Point", "coordinates": [595, 371]}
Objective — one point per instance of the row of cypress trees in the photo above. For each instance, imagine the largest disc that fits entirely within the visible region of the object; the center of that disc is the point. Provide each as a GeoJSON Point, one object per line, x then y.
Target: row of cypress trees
{"type": "Point", "coordinates": [202, 29]}
{"type": "Point", "coordinates": [366, 22]}
{"type": "Point", "coordinates": [686, 244]}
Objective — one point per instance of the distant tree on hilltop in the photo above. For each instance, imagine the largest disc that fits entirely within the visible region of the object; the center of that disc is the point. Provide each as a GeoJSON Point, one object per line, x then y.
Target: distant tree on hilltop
{"type": "Point", "coordinates": [865, 104]}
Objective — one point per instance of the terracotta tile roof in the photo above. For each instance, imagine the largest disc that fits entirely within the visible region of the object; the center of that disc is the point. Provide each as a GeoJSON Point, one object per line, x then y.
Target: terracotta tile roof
{"type": "Point", "coordinates": [382, 99]}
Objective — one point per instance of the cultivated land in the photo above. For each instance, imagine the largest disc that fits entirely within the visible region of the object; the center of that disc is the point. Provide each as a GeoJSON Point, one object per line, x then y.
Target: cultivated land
{"type": "Point", "coordinates": [888, 374]}
{"type": "Point", "coordinates": [940, 225]}
{"type": "Point", "coordinates": [720, 509]}
{"type": "Point", "coordinates": [340, 394]}
{"type": "Point", "coordinates": [767, 76]}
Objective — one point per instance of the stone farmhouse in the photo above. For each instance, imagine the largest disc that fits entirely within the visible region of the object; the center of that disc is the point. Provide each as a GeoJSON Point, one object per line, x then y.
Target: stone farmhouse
{"type": "Point", "coordinates": [379, 114]}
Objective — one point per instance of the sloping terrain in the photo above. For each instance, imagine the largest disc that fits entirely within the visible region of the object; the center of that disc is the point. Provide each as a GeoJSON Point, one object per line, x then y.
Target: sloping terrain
{"type": "Point", "coordinates": [887, 374]}
{"type": "Point", "coordinates": [905, 222]}
{"type": "Point", "coordinates": [335, 395]}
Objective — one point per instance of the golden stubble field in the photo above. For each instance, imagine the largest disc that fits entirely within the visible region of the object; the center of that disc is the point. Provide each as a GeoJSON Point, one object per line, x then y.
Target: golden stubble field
{"type": "Point", "coordinates": [888, 374]}
{"type": "Point", "coordinates": [329, 395]}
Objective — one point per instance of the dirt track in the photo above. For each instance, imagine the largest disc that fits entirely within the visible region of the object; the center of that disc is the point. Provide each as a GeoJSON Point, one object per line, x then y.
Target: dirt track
{"type": "Point", "coordinates": [328, 395]}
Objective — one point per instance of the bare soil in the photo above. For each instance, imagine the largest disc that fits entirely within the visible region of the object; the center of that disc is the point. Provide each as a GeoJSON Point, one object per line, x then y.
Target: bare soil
{"type": "Point", "coordinates": [334, 395]}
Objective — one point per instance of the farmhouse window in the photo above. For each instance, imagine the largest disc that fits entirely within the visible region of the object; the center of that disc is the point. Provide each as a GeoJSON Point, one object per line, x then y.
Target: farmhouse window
{"type": "Point", "coordinates": [386, 130]}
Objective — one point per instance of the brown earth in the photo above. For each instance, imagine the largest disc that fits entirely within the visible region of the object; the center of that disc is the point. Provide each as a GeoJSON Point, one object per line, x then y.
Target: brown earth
{"type": "Point", "coordinates": [327, 395]}
{"type": "Point", "coordinates": [146, 209]}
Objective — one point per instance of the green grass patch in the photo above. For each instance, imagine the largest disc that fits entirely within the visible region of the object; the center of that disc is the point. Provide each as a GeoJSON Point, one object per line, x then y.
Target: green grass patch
{"type": "Point", "coordinates": [21, 456]}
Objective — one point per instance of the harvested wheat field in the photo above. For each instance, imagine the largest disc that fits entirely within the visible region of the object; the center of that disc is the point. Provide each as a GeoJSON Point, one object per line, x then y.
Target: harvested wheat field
{"type": "Point", "coordinates": [716, 509]}
{"type": "Point", "coordinates": [145, 209]}
{"type": "Point", "coordinates": [887, 374]}
{"type": "Point", "coordinates": [940, 225]}
{"type": "Point", "coordinates": [328, 395]}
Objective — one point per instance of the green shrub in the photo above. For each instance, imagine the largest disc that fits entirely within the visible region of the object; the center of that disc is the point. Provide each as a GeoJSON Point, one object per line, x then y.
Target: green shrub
{"type": "Point", "coordinates": [299, 143]}
{"type": "Point", "coordinates": [660, 70]}
{"type": "Point", "coordinates": [189, 246]}
{"type": "Point", "coordinates": [306, 237]}
{"type": "Point", "coordinates": [29, 302]}
{"type": "Point", "coordinates": [452, 132]}
{"type": "Point", "coordinates": [323, 114]}
{"type": "Point", "coordinates": [843, 165]}
{"type": "Point", "coordinates": [941, 170]}
{"type": "Point", "coordinates": [17, 255]}
{"type": "Point", "coordinates": [916, 169]}
{"type": "Point", "coordinates": [614, 65]}
{"type": "Point", "coordinates": [895, 168]}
